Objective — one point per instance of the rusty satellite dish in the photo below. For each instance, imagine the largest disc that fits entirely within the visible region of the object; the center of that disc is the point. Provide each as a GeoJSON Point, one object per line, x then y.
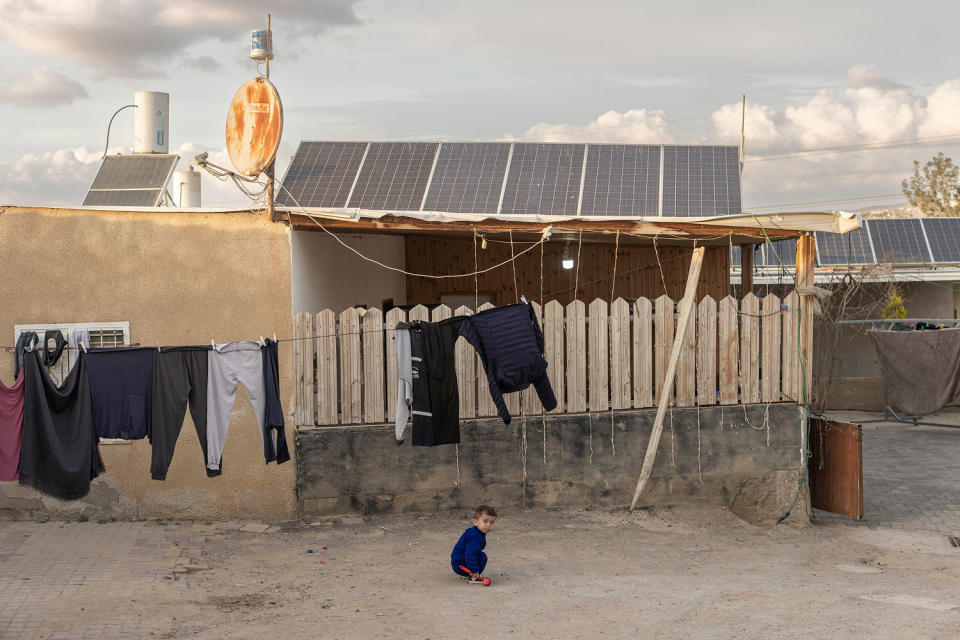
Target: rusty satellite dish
{"type": "Point", "coordinates": [254, 126]}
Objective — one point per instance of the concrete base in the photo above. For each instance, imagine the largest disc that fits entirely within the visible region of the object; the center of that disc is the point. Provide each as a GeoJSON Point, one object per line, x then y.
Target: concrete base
{"type": "Point", "coordinates": [747, 458]}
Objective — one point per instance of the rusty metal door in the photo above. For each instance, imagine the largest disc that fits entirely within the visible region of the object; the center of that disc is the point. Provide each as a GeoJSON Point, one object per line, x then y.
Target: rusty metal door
{"type": "Point", "coordinates": [836, 467]}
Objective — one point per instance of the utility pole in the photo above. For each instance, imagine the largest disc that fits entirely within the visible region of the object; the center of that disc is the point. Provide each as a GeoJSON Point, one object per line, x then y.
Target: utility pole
{"type": "Point", "coordinates": [743, 123]}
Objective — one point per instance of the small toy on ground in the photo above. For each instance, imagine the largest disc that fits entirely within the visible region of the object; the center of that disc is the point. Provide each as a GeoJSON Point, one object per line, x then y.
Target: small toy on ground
{"type": "Point", "coordinates": [478, 580]}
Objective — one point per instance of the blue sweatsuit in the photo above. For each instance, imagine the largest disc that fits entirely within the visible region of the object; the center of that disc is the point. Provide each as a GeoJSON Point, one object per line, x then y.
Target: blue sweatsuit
{"type": "Point", "coordinates": [469, 552]}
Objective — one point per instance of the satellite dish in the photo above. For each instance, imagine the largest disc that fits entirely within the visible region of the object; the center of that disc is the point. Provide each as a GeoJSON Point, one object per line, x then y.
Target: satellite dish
{"type": "Point", "coordinates": [254, 126]}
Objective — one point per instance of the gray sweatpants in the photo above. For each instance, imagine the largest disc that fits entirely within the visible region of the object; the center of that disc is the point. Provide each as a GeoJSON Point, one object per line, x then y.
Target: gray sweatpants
{"type": "Point", "coordinates": [404, 381]}
{"type": "Point", "coordinates": [228, 365]}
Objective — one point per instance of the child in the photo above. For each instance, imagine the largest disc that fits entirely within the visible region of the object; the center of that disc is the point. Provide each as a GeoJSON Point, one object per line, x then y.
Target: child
{"type": "Point", "coordinates": [468, 552]}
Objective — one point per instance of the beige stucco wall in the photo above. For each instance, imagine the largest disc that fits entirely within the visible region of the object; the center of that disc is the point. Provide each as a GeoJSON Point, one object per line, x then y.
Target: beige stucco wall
{"type": "Point", "coordinates": [177, 278]}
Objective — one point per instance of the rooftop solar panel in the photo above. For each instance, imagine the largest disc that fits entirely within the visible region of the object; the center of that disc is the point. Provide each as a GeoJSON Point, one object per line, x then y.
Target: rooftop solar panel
{"type": "Point", "coordinates": [468, 177]}
{"type": "Point", "coordinates": [544, 179]}
{"type": "Point", "coordinates": [781, 252]}
{"type": "Point", "coordinates": [394, 176]}
{"type": "Point", "coordinates": [621, 180]}
{"type": "Point", "coordinates": [944, 237]}
{"type": "Point", "coordinates": [849, 248]}
{"type": "Point", "coordinates": [899, 240]}
{"type": "Point", "coordinates": [321, 174]}
{"type": "Point", "coordinates": [701, 181]}
{"type": "Point", "coordinates": [131, 180]}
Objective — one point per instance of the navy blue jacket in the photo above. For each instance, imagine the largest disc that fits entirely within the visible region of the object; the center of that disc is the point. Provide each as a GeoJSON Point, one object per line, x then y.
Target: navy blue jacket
{"type": "Point", "coordinates": [510, 344]}
{"type": "Point", "coordinates": [467, 550]}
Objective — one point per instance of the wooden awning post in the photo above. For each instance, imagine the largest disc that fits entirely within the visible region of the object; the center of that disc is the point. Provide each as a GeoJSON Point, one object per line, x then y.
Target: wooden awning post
{"type": "Point", "coordinates": [746, 269]}
{"type": "Point", "coordinates": [687, 304]}
{"type": "Point", "coordinates": [805, 283]}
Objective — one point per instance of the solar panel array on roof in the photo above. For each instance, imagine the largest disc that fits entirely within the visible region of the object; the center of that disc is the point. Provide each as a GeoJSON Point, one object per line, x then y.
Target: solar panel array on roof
{"type": "Point", "coordinates": [544, 179]}
{"type": "Point", "coordinates": [321, 174]}
{"type": "Point", "coordinates": [621, 179]}
{"type": "Point", "coordinates": [468, 177]}
{"type": "Point", "coordinates": [701, 181]}
{"type": "Point", "coordinates": [131, 180]}
{"type": "Point", "coordinates": [899, 240]}
{"type": "Point", "coordinates": [848, 248]}
{"type": "Point", "coordinates": [394, 175]}
{"type": "Point", "coordinates": [781, 252]}
{"type": "Point", "coordinates": [944, 237]}
{"type": "Point", "coordinates": [516, 178]}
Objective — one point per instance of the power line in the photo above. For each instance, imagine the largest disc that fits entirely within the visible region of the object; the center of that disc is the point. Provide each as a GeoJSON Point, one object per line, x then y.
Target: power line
{"type": "Point", "coordinates": [857, 147]}
{"type": "Point", "coordinates": [797, 204]}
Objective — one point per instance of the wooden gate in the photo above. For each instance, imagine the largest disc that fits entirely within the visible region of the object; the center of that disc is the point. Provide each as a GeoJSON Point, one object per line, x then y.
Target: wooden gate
{"type": "Point", "coordinates": [836, 467]}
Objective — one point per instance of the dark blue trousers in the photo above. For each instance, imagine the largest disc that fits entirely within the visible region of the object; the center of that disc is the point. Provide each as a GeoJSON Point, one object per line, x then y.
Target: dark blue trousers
{"type": "Point", "coordinates": [460, 572]}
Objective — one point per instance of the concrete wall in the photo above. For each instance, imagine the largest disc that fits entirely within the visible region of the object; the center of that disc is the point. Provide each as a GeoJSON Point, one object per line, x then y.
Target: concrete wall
{"type": "Point", "coordinates": [749, 461]}
{"type": "Point", "coordinates": [326, 275]}
{"type": "Point", "coordinates": [860, 386]}
{"type": "Point", "coordinates": [178, 278]}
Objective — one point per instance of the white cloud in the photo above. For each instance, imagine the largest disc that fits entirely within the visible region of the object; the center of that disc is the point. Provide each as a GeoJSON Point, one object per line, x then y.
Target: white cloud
{"type": "Point", "coordinates": [42, 87]}
{"type": "Point", "coordinates": [135, 37]}
{"type": "Point", "coordinates": [942, 115]}
{"type": "Point", "coordinates": [56, 178]}
{"type": "Point", "coordinates": [636, 126]}
{"type": "Point", "coordinates": [759, 122]}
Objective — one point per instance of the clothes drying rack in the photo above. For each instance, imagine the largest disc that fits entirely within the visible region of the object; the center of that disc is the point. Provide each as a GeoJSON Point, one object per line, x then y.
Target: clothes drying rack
{"type": "Point", "coordinates": [889, 415]}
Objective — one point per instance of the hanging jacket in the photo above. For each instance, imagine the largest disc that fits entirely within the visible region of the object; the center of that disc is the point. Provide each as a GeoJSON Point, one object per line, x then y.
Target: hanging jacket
{"type": "Point", "coordinates": [509, 341]}
{"type": "Point", "coordinates": [27, 340]}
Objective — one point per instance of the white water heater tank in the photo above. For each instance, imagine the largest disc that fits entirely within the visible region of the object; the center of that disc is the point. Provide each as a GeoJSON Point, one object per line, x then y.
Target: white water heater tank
{"type": "Point", "coordinates": [186, 187]}
{"type": "Point", "coordinates": [151, 128]}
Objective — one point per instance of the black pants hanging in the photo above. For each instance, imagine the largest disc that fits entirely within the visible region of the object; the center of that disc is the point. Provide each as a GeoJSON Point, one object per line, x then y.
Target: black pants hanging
{"type": "Point", "coordinates": [439, 368]}
{"type": "Point", "coordinates": [179, 377]}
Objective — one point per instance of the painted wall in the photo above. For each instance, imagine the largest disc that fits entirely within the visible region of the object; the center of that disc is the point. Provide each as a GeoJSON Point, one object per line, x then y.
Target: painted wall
{"type": "Point", "coordinates": [177, 278]}
{"type": "Point", "coordinates": [746, 458]}
{"type": "Point", "coordinates": [327, 275]}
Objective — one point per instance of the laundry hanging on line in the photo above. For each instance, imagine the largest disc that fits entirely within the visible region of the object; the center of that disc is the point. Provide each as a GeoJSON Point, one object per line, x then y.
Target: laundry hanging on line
{"type": "Point", "coordinates": [11, 428]}
{"type": "Point", "coordinates": [121, 383]}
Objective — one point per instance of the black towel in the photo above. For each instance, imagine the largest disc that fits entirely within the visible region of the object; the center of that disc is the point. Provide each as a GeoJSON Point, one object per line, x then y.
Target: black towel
{"type": "Point", "coordinates": [59, 454]}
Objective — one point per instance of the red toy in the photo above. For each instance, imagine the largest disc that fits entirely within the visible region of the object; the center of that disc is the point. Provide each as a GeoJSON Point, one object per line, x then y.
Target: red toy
{"type": "Point", "coordinates": [485, 581]}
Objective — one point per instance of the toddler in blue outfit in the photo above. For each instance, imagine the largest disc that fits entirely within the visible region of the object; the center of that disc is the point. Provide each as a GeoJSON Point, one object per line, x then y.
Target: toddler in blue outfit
{"type": "Point", "coordinates": [468, 552]}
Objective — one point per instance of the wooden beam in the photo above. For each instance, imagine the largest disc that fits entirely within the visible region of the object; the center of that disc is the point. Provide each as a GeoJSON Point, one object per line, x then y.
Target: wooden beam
{"type": "Point", "coordinates": [805, 272]}
{"type": "Point", "coordinates": [687, 304]}
{"type": "Point", "coordinates": [746, 269]}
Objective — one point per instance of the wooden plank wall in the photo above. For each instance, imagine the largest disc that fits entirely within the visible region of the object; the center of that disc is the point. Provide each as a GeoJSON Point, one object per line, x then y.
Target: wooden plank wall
{"type": "Point", "coordinates": [638, 273]}
{"type": "Point", "coordinates": [601, 357]}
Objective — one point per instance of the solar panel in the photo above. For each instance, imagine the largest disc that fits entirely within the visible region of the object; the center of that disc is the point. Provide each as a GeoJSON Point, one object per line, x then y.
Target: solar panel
{"type": "Point", "coordinates": [899, 240]}
{"type": "Point", "coordinates": [852, 247]}
{"type": "Point", "coordinates": [468, 177]}
{"type": "Point", "coordinates": [321, 174]}
{"type": "Point", "coordinates": [131, 180]}
{"type": "Point", "coordinates": [394, 176]}
{"type": "Point", "coordinates": [544, 178]}
{"type": "Point", "coordinates": [780, 252]}
{"type": "Point", "coordinates": [701, 181]}
{"type": "Point", "coordinates": [736, 250]}
{"type": "Point", "coordinates": [621, 179]}
{"type": "Point", "coordinates": [944, 237]}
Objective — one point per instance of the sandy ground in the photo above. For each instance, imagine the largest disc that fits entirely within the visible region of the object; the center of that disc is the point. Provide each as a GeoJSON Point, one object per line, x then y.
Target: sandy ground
{"type": "Point", "coordinates": [691, 572]}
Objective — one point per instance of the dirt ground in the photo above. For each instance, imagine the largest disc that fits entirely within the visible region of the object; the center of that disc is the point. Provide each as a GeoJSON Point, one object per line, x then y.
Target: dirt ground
{"type": "Point", "coordinates": [682, 572]}
{"type": "Point", "coordinates": [661, 573]}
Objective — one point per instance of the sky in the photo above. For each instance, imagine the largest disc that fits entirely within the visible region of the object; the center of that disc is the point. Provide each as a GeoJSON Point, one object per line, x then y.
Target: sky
{"type": "Point", "coordinates": [841, 98]}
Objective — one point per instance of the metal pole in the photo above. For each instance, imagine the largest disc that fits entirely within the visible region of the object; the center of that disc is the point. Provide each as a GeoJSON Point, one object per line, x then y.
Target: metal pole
{"type": "Point", "coordinates": [270, 169]}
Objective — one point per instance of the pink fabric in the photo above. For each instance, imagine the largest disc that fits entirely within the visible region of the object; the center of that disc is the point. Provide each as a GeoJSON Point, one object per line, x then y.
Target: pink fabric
{"type": "Point", "coordinates": [11, 428]}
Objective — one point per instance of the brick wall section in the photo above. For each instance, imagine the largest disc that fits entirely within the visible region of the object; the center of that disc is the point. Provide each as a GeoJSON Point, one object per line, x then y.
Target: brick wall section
{"type": "Point", "coordinates": [361, 469]}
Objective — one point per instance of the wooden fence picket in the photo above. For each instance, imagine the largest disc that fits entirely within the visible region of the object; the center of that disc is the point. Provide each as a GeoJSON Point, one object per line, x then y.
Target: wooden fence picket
{"type": "Point", "coordinates": [351, 371]}
{"type": "Point", "coordinates": [642, 353]}
{"type": "Point", "coordinates": [750, 349]}
{"type": "Point", "coordinates": [466, 364]}
{"type": "Point", "coordinates": [373, 367]}
{"type": "Point", "coordinates": [729, 343]}
{"type": "Point", "coordinates": [598, 352]}
{"type": "Point", "coordinates": [576, 357]}
{"type": "Point", "coordinates": [771, 321]}
{"type": "Point", "coordinates": [620, 383]}
{"type": "Point", "coordinates": [791, 360]}
{"type": "Point", "coordinates": [553, 350]}
{"type": "Point", "coordinates": [394, 317]}
{"type": "Point", "coordinates": [686, 382]}
{"type": "Point", "coordinates": [420, 313]}
{"type": "Point", "coordinates": [707, 351]}
{"type": "Point", "coordinates": [327, 371]}
{"type": "Point", "coordinates": [663, 340]}
{"type": "Point", "coordinates": [298, 400]}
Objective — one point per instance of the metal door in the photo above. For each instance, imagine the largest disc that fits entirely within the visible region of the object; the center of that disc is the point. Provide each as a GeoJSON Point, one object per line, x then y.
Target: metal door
{"type": "Point", "coordinates": [836, 467]}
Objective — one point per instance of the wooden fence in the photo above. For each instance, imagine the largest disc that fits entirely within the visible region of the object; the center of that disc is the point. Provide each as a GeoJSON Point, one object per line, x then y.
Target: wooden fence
{"type": "Point", "coordinates": [601, 357]}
